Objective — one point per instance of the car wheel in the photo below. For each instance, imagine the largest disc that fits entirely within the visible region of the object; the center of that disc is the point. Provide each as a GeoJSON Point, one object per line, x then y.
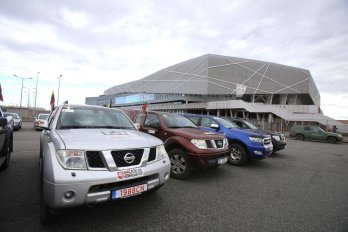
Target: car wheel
{"type": "Point", "coordinates": [180, 164]}
{"type": "Point", "coordinates": [45, 212]}
{"type": "Point", "coordinates": [332, 140]}
{"type": "Point", "coordinates": [238, 155]}
{"type": "Point", "coordinates": [6, 152]}
{"type": "Point", "coordinates": [300, 137]}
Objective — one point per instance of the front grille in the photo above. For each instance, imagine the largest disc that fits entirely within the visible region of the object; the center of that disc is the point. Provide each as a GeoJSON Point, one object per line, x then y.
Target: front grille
{"type": "Point", "coordinates": [94, 159]}
{"type": "Point", "coordinates": [209, 144]}
{"type": "Point", "coordinates": [152, 154]}
{"type": "Point", "coordinates": [119, 157]}
{"type": "Point", "coordinates": [267, 141]}
{"type": "Point", "coordinates": [219, 143]}
{"type": "Point", "coordinates": [121, 184]}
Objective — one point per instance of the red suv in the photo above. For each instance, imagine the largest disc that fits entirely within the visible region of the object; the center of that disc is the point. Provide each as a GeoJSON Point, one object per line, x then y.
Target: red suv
{"type": "Point", "coordinates": [187, 146]}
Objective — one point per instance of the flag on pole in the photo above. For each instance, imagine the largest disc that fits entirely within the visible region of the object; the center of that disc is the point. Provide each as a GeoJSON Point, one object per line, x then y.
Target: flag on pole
{"type": "Point", "coordinates": [1, 97]}
{"type": "Point", "coordinates": [52, 100]}
{"type": "Point", "coordinates": [109, 103]}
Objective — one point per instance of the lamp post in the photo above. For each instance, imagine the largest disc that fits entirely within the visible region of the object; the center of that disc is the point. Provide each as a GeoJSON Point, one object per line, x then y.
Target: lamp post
{"type": "Point", "coordinates": [58, 88]}
{"type": "Point", "coordinates": [22, 85]}
{"type": "Point", "coordinates": [37, 80]}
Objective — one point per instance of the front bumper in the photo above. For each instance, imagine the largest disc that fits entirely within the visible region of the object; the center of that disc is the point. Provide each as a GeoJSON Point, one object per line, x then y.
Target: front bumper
{"type": "Point", "coordinates": [91, 187]}
{"type": "Point", "coordinates": [207, 160]}
{"type": "Point", "coordinates": [260, 151]}
{"type": "Point", "coordinates": [278, 145]}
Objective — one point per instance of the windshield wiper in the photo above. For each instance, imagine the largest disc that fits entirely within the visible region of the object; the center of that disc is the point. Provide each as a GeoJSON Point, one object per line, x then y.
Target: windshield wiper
{"type": "Point", "coordinates": [188, 127]}
{"type": "Point", "coordinates": [72, 127]}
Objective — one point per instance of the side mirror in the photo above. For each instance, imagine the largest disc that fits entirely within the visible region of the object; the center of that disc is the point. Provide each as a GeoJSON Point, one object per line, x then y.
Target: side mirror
{"type": "Point", "coordinates": [214, 126]}
{"type": "Point", "coordinates": [154, 124]}
{"type": "Point", "coordinates": [137, 125]}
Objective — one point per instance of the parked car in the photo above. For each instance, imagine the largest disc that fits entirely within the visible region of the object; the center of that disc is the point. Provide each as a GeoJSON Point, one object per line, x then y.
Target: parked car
{"type": "Point", "coordinates": [188, 147]}
{"type": "Point", "coordinates": [302, 132]}
{"type": "Point", "coordinates": [278, 139]}
{"type": "Point", "coordinates": [17, 121]}
{"type": "Point", "coordinates": [243, 144]}
{"type": "Point", "coordinates": [92, 154]}
{"type": "Point", "coordinates": [10, 121]}
{"type": "Point", "coordinates": [39, 121]}
{"type": "Point", "coordinates": [6, 142]}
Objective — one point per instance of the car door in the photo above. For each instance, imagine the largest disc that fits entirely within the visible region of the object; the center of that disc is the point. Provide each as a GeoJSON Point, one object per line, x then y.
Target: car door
{"type": "Point", "coordinates": [152, 125]}
{"type": "Point", "coordinates": [307, 131]}
{"type": "Point", "coordinates": [317, 133]}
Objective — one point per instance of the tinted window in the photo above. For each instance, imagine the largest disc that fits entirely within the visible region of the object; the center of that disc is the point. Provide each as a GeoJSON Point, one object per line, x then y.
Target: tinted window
{"type": "Point", "coordinates": [194, 119]}
{"type": "Point", "coordinates": [206, 122]}
{"type": "Point", "coordinates": [138, 118]}
{"type": "Point", "coordinates": [307, 128]}
{"type": "Point", "coordinates": [226, 123]}
{"type": "Point", "coordinates": [177, 121]}
{"type": "Point", "coordinates": [152, 121]}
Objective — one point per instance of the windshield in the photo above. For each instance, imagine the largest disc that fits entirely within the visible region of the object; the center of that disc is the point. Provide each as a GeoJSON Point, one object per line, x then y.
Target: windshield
{"type": "Point", "coordinates": [43, 116]}
{"type": "Point", "coordinates": [250, 125]}
{"type": "Point", "coordinates": [226, 123]}
{"type": "Point", "coordinates": [177, 121]}
{"type": "Point", "coordinates": [14, 115]}
{"type": "Point", "coordinates": [83, 117]}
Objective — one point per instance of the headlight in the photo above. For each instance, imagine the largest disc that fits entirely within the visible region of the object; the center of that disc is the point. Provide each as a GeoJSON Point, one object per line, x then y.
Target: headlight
{"type": "Point", "coordinates": [71, 159]}
{"type": "Point", "coordinates": [256, 139]}
{"type": "Point", "coordinates": [161, 152]}
{"type": "Point", "coordinates": [199, 143]}
{"type": "Point", "coordinates": [339, 135]}
{"type": "Point", "coordinates": [277, 137]}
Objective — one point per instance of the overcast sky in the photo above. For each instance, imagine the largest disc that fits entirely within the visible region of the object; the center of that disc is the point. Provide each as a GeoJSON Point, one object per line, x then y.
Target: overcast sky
{"type": "Point", "coordinates": [95, 45]}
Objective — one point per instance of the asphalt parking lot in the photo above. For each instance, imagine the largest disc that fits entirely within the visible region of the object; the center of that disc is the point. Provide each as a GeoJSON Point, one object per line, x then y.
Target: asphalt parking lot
{"type": "Point", "coordinates": [302, 188]}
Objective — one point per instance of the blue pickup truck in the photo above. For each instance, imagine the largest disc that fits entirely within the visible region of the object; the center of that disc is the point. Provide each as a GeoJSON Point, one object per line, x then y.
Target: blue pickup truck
{"type": "Point", "coordinates": [243, 144]}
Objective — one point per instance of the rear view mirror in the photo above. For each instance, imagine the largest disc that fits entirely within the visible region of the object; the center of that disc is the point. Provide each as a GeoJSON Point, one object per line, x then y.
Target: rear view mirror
{"type": "Point", "coordinates": [214, 126]}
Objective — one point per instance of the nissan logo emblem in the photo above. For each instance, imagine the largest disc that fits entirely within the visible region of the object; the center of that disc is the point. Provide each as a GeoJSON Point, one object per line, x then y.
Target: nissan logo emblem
{"type": "Point", "coordinates": [129, 158]}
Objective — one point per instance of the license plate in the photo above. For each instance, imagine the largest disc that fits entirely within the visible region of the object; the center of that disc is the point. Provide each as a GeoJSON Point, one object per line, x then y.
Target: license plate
{"type": "Point", "coordinates": [129, 173]}
{"type": "Point", "coordinates": [128, 192]}
{"type": "Point", "coordinates": [222, 160]}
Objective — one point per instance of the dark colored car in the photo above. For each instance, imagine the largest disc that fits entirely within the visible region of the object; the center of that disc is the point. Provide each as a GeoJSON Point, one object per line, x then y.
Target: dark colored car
{"type": "Point", "coordinates": [17, 121]}
{"type": "Point", "coordinates": [6, 142]}
{"type": "Point", "coordinates": [278, 139]}
{"type": "Point", "coordinates": [187, 146]}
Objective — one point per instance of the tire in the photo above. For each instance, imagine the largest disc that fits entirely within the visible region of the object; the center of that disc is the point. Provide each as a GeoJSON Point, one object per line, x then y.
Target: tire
{"type": "Point", "coordinates": [238, 155]}
{"type": "Point", "coordinates": [299, 136]}
{"type": "Point", "coordinates": [180, 164]}
{"type": "Point", "coordinates": [332, 140]}
{"type": "Point", "coordinates": [6, 152]}
{"type": "Point", "coordinates": [46, 215]}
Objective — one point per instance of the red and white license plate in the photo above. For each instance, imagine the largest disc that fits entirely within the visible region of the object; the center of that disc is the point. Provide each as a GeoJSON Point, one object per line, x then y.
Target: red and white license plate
{"type": "Point", "coordinates": [128, 192]}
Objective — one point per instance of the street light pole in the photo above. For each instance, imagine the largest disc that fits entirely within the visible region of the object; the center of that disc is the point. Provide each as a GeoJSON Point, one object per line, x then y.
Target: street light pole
{"type": "Point", "coordinates": [37, 80]}
{"type": "Point", "coordinates": [22, 85]}
{"type": "Point", "coordinates": [58, 88]}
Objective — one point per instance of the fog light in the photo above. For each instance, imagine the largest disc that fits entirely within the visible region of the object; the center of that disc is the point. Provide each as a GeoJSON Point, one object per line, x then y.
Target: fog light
{"type": "Point", "coordinates": [258, 152]}
{"type": "Point", "coordinates": [69, 194]}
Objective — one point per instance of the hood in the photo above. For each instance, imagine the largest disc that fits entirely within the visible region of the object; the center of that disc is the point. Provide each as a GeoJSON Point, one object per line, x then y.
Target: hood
{"type": "Point", "coordinates": [333, 134]}
{"type": "Point", "coordinates": [250, 132]}
{"type": "Point", "coordinates": [195, 133]}
{"type": "Point", "coordinates": [106, 139]}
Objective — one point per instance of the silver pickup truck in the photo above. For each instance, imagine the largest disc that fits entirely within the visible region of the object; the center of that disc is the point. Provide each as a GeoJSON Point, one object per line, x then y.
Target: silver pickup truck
{"type": "Point", "coordinates": [91, 154]}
